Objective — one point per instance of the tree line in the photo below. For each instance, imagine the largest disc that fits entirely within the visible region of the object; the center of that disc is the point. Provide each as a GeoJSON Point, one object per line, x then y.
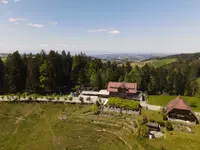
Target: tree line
{"type": "Point", "coordinates": [44, 73]}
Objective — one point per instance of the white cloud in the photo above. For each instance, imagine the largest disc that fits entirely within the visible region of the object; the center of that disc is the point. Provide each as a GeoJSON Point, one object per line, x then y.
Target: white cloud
{"type": "Point", "coordinates": [15, 19]}
{"type": "Point", "coordinates": [4, 1]}
{"type": "Point", "coordinates": [114, 32]}
{"type": "Point", "coordinates": [36, 25]}
{"type": "Point", "coordinates": [53, 23]}
{"type": "Point", "coordinates": [98, 30]}
{"type": "Point", "coordinates": [17, 0]}
{"type": "Point", "coordinates": [110, 30]}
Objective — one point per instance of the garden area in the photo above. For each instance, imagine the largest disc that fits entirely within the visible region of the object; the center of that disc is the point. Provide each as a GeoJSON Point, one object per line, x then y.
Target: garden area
{"type": "Point", "coordinates": [123, 103]}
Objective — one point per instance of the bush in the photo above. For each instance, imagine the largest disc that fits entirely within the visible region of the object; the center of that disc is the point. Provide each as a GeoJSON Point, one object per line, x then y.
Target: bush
{"type": "Point", "coordinates": [88, 98]}
{"type": "Point", "coordinates": [70, 98]}
{"type": "Point", "coordinates": [169, 126]}
{"type": "Point", "coordinates": [161, 123]}
{"type": "Point", "coordinates": [165, 117]}
{"type": "Point", "coordinates": [30, 98]}
{"type": "Point", "coordinates": [94, 108]}
{"type": "Point", "coordinates": [35, 96]}
{"type": "Point", "coordinates": [81, 99]}
{"type": "Point", "coordinates": [143, 131]}
{"type": "Point", "coordinates": [123, 103]}
{"type": "Point", "coordinates": [144, 119]}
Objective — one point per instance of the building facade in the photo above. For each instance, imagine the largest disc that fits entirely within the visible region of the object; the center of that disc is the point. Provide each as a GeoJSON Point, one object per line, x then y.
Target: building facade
{"type": "Point", "coordinates": [178, 109]}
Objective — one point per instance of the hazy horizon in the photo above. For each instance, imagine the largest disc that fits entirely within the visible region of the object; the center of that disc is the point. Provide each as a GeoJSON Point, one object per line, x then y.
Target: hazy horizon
{"type": "Point", "coordinates": [100, 27]}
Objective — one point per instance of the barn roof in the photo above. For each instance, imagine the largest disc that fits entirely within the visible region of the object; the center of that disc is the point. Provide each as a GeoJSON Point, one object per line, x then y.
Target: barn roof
{"type": "Point", "coordinates": [114, 86]}
{"type": "Point", "coordinates": [178, 103]}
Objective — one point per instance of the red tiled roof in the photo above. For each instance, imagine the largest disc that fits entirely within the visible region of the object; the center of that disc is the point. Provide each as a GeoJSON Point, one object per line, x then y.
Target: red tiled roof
{"type": "Point", "coordinates": [113, 86]}
{"type": "Point", "coordinates": [178, 103]}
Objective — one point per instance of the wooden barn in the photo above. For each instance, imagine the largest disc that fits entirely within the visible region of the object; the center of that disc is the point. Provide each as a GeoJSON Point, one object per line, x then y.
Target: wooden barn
{"type": "Point", "coordinates": [124, 90]}
{"type": "Point", "coordinates": [178, 109]}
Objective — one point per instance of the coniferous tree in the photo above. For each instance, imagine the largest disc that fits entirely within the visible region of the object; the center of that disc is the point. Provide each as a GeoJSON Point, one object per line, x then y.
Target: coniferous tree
{"type": "Point", "coordinates": [15, 73]}
{"type": "Point", "coordinates": [1, 76]}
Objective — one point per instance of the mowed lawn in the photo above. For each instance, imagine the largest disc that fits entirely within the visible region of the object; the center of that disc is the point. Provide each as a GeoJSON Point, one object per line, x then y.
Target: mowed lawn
{"type": "Point", "coordinates": [162, 100]}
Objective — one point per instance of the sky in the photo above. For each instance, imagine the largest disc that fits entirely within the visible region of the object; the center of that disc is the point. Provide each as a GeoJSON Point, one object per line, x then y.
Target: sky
{"type": "Point", "coordinates": [100, 26]}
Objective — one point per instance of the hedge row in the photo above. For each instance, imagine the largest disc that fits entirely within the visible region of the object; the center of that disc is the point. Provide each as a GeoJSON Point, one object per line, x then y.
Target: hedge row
{"type": "Point", "coordinates": [122, 103]}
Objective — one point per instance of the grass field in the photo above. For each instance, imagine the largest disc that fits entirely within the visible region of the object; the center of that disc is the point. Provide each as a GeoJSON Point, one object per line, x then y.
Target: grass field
{"type": "Point", "coordinates": [155, 62]}
{"type": "Point", "coordinates": [162, 100]}
{"type": "Point", "coordinates": [73, 127]}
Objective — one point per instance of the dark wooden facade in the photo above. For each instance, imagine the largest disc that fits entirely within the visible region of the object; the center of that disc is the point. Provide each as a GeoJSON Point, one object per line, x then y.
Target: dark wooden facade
{"type": "Point", "coordinates": [179, 109]}
{"type": "Point", "coordinates": [186, 115]}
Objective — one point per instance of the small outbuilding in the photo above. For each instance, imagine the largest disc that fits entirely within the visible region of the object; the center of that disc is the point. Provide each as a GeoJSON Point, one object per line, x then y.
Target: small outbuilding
{"type": "Point", "coordinates": [178, 109]}
{"type": "Point", "coordinates": [153, 126]}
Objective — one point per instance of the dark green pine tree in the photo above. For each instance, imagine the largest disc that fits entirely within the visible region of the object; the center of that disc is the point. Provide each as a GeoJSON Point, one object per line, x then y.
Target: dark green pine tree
{"type": "Point", "coordinates": [1, 76]}
{"type": "Point", "coordinates": [15, 70]}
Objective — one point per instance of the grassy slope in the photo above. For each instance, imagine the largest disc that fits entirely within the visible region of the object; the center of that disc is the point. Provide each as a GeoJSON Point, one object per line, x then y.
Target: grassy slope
{"type": "Point", "coordinates": [178, 140]}
{"type": "Point", "coordinates": [162, 100]}
{"type": "Point", "coordinates": [158, 63]}
{"type": "Point", "coordinates": [155, 62]}
{"type": "Point", "coordinates": [41, 129]}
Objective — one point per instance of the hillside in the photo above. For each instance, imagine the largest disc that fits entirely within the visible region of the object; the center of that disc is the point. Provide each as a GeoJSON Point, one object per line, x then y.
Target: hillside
{"type": "Point", "coordinates": [129, 56]}
{"type": "Point", "coordinates": [71, 127]}
{"type": "Point", "coordinates": [155, 62]}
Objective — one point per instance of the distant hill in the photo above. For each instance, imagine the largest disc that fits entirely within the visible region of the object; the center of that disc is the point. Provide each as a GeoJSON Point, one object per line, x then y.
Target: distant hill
{"type": "Point", "coordinates": [155, 62]}
{"type": "Point", "coordinates": [129, 56]}
{"type": "Point", "coordinates": [183, 56]}
{"type": "Point", "coordinates": [3, 54]}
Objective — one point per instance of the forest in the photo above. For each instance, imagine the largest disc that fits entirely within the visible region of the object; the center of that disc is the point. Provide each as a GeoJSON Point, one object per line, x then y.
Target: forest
{"type": "Point", "coordinates": [61, 73]}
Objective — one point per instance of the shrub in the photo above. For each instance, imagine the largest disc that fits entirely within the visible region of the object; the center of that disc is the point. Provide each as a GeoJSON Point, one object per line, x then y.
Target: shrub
{"type": "Point", "coordinates": [164, 117]}
{"type": "Point", "coordinates": [94, 108]}
{"type": "Point", "coordinates": [30, 98]}
{"type": "Point", "coordinates": [161, 123]}
{"type": "Point", "coordinates": [169, 126]}
{"type": "Point", "coordinates": [70, 98]}
{"type": "Point", "coordinates": [81, 99]}
{"type": "Point", "coordinates": [58, 98]}
{"type": "Point", "coordinates": [144, 119]}
{"type": "Point", "coordinates": [88, 98]}
{"type": "Point", "coordinates": [123, 103]}
{"type": "Point", "coordinates": [35, 96]}
{"type": "Point", "coordinates": [143, 131]}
